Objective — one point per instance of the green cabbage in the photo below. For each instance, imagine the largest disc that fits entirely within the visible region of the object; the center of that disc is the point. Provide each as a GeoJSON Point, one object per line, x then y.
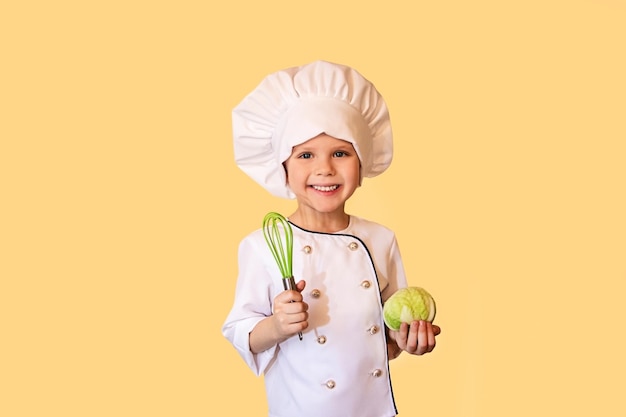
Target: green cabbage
{"type": "Point", "coordinates": [408, 304]}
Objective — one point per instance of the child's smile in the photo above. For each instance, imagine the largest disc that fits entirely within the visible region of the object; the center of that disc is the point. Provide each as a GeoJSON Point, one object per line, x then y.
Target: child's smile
{"type": "Point", "coordinates": [325, 189]}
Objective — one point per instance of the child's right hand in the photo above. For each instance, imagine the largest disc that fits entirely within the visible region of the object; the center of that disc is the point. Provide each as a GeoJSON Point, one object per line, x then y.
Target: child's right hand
{"type": "Point", "coordinates": [289, 318]}
{"type": "Point", "coordinates": [290, 313]}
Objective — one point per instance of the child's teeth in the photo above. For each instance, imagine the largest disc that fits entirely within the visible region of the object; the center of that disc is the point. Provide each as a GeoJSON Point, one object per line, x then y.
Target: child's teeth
{"type": "Point", "coordinates": [329, 188]}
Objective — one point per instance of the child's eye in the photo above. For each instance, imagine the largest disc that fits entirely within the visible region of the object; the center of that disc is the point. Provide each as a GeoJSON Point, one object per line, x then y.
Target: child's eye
{"type": "Point", "coordinates": [305, 155]}
{"type": "Point", "coordinates": [339, 154]}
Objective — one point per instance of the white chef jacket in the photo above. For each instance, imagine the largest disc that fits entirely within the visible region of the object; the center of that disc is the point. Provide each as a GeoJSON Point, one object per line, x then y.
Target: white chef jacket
{"type": "Point", "coordinates": [340, 368]}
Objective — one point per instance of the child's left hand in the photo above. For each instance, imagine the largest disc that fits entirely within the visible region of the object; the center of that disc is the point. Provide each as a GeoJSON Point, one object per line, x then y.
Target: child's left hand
{"type": "Point", "coordinates": [416, 339]}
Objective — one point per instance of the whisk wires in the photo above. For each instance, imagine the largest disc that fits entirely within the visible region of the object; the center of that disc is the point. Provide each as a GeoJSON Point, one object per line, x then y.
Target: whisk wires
{"type": "Point", "coordinates": [279, 237]}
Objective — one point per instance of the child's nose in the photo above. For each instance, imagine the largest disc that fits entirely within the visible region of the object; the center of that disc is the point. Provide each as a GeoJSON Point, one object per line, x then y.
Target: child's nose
{"type": "Point", "coordinates": [324, 167]}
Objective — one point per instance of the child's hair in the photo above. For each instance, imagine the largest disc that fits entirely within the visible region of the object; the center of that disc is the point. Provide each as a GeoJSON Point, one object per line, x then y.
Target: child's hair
{"type": "Point", "coordinates": [294, 105]}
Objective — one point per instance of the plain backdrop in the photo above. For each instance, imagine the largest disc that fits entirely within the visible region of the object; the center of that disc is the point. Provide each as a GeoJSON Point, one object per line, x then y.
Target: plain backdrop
{"type": "Point", "coordinates": [122, 207]}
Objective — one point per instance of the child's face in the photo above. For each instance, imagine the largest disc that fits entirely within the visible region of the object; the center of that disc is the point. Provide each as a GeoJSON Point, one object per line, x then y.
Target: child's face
{"type": "Point", "coordinates": [323, 173]}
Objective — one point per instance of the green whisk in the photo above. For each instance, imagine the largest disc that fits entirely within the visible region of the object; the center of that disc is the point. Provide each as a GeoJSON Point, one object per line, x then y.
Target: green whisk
{"type": "Point", "coordinates": [279, 237]}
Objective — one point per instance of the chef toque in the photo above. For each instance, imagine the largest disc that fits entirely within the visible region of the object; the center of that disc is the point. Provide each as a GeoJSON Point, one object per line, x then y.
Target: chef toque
{"type": "Point", "coordinates": [294, 105]}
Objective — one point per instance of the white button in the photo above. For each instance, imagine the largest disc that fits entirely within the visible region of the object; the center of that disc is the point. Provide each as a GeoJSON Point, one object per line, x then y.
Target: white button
{"type": "Point", "coordinates": [353, 246]}
{"type": "Point", "coordinates": [366, 284]}
{"type": "Point", "coordinates": [315, 293]}
{"type": "Point", "coordinates": [330, 384]}
{"type": "Point", "coordinates": [321, 340]}
{"type": "Point", "coordinates": [307, 249]}
{"type": "Point", "coordinates": [373, 329]}
{"type": "Point", "coordinates": [376, 373]}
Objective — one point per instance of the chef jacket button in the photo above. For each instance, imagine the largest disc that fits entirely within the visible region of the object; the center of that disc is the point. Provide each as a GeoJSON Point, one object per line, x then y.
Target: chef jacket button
{"type": "Point", "coordinates": [330, 384]}
{"type": "Point", "coordinates": [316, 293]}
{"type": "Point", "coordinates": [376, 373]}
{"type": "Point", "coordinates": [373, 329]}
{"type": "Point", "coordinates": [353, 246]}
{"type": "Point", "coordinates": [366, 284]}
{"type": "Point", "coordinates": [307, 249]}
{"type": "Point", "coordinates": [321, 340]}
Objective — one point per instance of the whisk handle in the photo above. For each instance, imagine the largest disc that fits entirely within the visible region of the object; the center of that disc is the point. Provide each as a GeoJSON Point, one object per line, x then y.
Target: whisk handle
{"type": "Point", "coordinates": [289, 283]}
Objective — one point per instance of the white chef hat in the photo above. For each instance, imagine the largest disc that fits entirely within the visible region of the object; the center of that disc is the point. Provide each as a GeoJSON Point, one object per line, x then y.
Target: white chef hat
{"type": "Point", "coordinates": [294, 105]}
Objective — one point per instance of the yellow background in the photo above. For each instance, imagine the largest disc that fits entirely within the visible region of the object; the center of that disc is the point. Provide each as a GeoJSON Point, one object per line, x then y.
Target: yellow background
{"type": "Point", "coordinates": [122, 207]}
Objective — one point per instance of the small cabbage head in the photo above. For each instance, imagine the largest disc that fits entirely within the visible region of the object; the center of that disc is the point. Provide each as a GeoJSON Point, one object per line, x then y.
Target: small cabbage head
{"type": "Point", "coordinates": [408, 304]}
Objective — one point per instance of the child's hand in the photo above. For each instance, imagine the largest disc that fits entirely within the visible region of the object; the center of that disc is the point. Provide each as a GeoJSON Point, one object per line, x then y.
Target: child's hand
{"type": "Point", "coordinates": [416, 339]}
{"type": "Point", "coordinates": [290, 312]}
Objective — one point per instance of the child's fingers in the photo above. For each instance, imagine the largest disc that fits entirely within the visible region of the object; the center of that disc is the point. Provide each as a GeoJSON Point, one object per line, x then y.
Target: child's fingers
{"type": "Point", "coordinates": [413, 337]}
{"type": "Point", "coordinates": [290, 318]}
{"type": "Point", "coordinates": [289, 296]}
{"type": "Point", "coordinates": [295, 307]}
{"type": "Point", "coordinates": [417, 338]}
{"type": "Point", "coordinates": [425, 338]}
{"type": "Point", "coordinates": [430, 331]}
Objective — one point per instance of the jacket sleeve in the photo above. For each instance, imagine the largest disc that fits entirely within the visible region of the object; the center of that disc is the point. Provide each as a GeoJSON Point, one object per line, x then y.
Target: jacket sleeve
{"type": "Point", "coordinates": [395, 276]}
{"type": "Point", "coordinates": [254, 295]}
